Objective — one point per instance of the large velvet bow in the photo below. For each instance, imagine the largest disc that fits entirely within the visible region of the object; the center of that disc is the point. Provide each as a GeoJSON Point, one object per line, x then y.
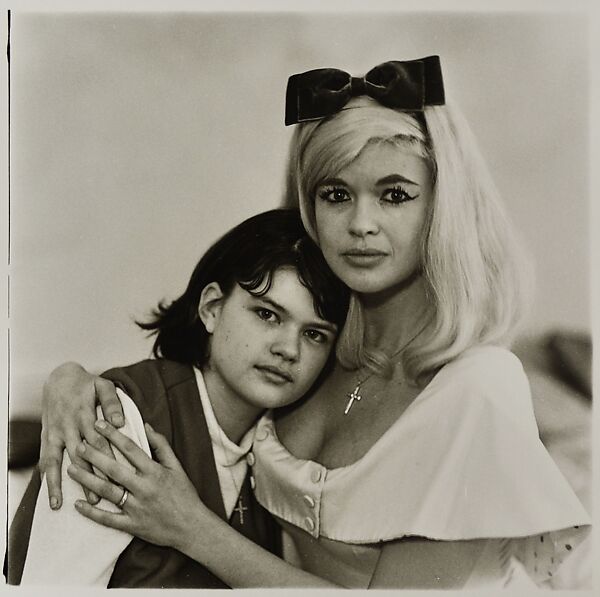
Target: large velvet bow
{"type": "Point", "coordinates": [408, 85]}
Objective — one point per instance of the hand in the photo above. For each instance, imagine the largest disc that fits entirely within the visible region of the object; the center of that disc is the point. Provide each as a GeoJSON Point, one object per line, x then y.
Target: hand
{"type": "Point", "coordinates": [161, 500]}
{"type": "Point", "coordinates": [68, 415]}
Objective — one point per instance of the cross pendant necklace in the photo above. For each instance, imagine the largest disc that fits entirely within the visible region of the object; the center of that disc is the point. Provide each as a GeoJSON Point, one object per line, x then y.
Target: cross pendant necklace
{"type": "Point", "coordinates": [355, 395]}
{"type": "Point", "coordinates": [240, 509]}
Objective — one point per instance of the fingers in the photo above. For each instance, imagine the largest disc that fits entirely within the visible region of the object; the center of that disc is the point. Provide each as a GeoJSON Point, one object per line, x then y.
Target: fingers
{"type": "Point", "coordinates": [87, 419]}
{"type": "Point", "coordinates": [102, 487]}
{"type": "Point", "coordinates": [106, 394]}
{"type": "Point", "coordinates": [161, 448]}
{"type": "Point", "coordinates": [67, 403]}
{"type": "Point", "coordinates": [108, 519]}
{"type": "Point", "coordinates": [72, 441]}
{"type": "Point", "coordinates": [120, 473]}
{"type": "Point", "coordinates": [130, 450]}
{"type": "Point", "coordinates": [51, 466]}
{"type": "Point", "coordinates": [93, 438]}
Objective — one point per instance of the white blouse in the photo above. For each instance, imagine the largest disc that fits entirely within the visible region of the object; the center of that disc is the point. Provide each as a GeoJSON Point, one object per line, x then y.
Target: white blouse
{"type": "Point", "coordinates": [464, 461]}
{"type": "Point", "coordinates": [85, 553]}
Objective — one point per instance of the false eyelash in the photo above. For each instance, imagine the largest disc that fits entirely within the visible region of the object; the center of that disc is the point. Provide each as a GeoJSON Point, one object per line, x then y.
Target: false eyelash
{"type": "Point", "coordinates": [406, 195]}
{"type": "Point", "coordinates": [325, 192]}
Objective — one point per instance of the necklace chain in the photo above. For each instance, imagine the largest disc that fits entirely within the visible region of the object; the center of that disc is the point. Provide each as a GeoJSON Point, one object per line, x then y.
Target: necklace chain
{"type": "Point", "coordinates": [355, 395]}
{"type": "Point", "coordinates": [239, 504]}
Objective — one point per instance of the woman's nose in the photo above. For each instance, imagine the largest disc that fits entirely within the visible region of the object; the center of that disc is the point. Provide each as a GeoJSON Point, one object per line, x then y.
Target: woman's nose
{"type": "Point", "coordinates": [363, 219]}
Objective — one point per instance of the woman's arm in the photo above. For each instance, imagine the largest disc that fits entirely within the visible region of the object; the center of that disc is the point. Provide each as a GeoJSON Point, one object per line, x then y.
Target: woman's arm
{"type": "Point", "coordinates": [68, 415]}
{"type": "Point", "coordinates": [163, 507]}
{"type": "Point", "coordinates": [420, 563]}
{"type": "Point", "coordinates": [62, 547]}
{"type": "Point", "coordinates": [240, 562]}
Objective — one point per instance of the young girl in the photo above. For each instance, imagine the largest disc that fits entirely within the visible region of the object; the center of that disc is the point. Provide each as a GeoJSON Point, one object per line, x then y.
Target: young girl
{"type": "Point", "coordinates": [416, 463]}
{"type": "Point", "coordinates": [253, 330]}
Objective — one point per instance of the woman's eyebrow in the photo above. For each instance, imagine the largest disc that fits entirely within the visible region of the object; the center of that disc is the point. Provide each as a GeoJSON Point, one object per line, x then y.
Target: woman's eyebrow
{"type": "Point", "coordinates": [331, 181]}
{"type": "Point", "coordinates": [389, 179]}
{"type": "Point", "coordinates": [392, 178]}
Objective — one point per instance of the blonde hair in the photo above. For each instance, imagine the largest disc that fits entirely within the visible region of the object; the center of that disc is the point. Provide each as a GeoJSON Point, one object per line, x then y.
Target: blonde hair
{"type": "Point", "coordinates": [476, 274]}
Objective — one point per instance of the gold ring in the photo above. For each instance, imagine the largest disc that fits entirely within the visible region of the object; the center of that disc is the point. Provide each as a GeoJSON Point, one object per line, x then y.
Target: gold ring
{"type": "Point", "coordinates": [123, 499]}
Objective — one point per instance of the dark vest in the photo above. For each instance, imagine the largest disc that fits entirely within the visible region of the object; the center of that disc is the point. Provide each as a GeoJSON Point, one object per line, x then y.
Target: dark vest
{"type": "Point", "coordinates": [167, 397]}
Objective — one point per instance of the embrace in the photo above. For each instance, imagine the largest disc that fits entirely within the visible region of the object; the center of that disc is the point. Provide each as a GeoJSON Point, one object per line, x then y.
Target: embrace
{"type": "Point", "coordinates": [333, 401]}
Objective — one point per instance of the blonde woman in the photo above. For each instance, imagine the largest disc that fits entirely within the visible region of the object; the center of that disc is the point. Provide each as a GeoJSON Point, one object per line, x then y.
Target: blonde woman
{"type": "Point", "coordinates": [416, 463]}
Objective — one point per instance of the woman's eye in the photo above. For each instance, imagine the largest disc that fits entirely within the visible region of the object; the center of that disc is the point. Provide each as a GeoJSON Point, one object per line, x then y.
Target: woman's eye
{"type": "Point", "coordinates": [397, 195]}
{"type": "Point", "coordinates": [266, 314]}
{"type": "Point", "coordinates": [333, 194]}
{"type": "Point", "coordinates": [316, 336]}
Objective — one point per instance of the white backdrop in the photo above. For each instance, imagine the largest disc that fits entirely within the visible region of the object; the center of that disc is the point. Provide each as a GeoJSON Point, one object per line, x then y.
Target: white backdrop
{"type": "Point", "coordinates": [137, 139]}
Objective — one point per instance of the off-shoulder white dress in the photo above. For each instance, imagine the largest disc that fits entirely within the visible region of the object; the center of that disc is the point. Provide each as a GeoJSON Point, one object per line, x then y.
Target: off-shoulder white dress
{"type": "Point", "coordinates": [464, 461]}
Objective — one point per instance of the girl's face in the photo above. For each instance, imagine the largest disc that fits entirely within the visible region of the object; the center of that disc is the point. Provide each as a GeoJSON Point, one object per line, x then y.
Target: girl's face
{"type": "Point", "coordinates": [370, 217]}
{"type": "Point", "coordinates": [266, 351]}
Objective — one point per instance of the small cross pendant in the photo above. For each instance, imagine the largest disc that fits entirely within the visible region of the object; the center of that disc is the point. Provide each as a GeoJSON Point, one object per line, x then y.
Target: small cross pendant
{"type": "Point", "coordinates": [240, 509]}
{"type": "Point", "coordinates": [354, 396]}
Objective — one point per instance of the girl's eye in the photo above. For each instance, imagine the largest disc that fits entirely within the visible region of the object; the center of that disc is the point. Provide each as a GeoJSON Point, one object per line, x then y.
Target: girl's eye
{"type": "Point", "coordinates": [333, 194]}
{"type": "Point", "coordinates": [316, 336]}
{"type": "Point", "coordinates": [266, 314]}
{"type": "Point", "coordinates": [397, 195]}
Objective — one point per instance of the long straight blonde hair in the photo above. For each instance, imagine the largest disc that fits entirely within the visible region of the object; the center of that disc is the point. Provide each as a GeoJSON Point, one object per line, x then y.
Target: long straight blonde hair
{"type": "Point", "coordinates": [478, 278]}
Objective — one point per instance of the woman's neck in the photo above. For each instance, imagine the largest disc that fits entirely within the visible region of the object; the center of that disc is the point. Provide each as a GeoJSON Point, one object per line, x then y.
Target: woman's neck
{"type": "Point", "coordinates": [393, 316]}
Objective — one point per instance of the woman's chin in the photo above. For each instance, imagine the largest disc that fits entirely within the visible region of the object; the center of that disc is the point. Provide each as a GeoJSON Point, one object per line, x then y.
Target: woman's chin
{"type": "Point", "coordinates": [378, 290]}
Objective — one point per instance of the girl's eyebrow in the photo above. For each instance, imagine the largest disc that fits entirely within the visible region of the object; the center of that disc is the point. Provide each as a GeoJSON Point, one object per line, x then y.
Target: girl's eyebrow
{"type": "Point", "coordinates": [319, 323]}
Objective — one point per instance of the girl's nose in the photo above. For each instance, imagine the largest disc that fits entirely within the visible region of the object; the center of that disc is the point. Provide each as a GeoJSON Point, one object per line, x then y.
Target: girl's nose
{"type": "Point", "coordinates": [286, 345]}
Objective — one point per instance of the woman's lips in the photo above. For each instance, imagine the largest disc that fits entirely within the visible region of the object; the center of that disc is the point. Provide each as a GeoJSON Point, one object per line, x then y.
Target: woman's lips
{"type": "Point", "coordinates": [363, 257]}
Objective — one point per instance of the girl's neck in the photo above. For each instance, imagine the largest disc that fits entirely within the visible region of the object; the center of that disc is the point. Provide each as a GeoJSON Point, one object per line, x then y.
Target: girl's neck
{"type": "Point", "coordinates": [392, 316]}
{"type": "Point", "coordinates": [234, 415]}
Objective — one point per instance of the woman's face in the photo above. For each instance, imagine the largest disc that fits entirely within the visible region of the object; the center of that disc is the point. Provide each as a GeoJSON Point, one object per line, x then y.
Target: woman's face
{"type": "Point", "coordinates": [370, 217]}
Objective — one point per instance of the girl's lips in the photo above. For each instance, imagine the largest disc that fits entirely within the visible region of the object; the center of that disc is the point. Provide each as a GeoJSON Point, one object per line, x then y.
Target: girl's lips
{"type": "Point", "coordinates": [274, 374]}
